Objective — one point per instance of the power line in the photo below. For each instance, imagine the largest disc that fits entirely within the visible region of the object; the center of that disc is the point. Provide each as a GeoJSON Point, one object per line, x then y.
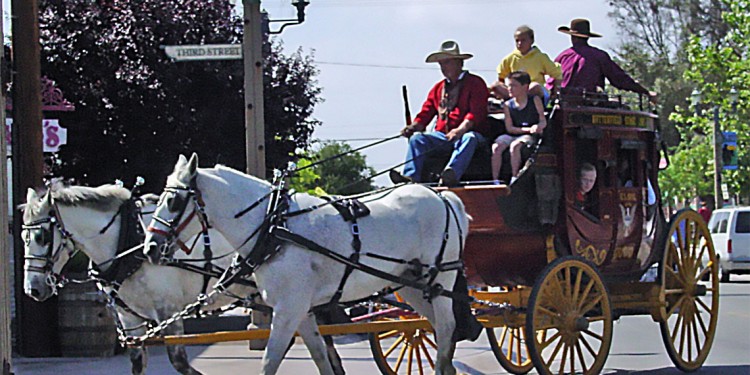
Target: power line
{"type": "Point", "coordinates": [389, 66]}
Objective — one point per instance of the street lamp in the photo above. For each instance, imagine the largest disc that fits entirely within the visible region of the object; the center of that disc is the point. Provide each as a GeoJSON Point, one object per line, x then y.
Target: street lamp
{"type": "Point", "coordinates": [300, 5]}
{"type": "Point", "coordinates": [695, 100]}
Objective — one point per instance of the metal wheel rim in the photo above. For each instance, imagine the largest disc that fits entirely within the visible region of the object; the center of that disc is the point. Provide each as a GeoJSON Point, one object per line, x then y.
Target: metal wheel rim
{"type": "Point", "coordinates": [688, 323]}
{"type": "Point", "coordinates": [570, 310]}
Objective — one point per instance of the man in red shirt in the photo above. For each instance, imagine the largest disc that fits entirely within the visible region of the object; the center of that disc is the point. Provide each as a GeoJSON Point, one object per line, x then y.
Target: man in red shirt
{"type": "Point", "coordinates": [460, 104]}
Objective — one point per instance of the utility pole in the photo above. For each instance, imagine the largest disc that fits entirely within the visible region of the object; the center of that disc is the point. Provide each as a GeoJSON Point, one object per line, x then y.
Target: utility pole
{"type": "Point", "coordinates": [252, 43]}
{"type": "Point", "coordinates": [36, 333]}
{"type": "Point", "coordinates": [5, 250]}
{"type": "Point", "coordinates": [718, 138]}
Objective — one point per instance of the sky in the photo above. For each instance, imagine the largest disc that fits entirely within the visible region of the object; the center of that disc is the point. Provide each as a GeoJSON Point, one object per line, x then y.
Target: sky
{"type": "Point", "coordinates": [366, 50]}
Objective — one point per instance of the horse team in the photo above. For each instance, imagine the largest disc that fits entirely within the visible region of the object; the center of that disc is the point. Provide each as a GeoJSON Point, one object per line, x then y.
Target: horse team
{"type": "Point", "coordinates": [245, 238]}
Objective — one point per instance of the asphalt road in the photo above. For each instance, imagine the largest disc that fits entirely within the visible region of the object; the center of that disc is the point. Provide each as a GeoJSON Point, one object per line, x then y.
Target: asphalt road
{"type": "Point", "coordinates": [637, 348]}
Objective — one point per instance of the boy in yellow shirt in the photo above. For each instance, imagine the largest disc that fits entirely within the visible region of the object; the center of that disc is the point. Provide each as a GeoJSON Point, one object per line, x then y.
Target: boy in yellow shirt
{"type": "Point", "coordinates": [527, 58]}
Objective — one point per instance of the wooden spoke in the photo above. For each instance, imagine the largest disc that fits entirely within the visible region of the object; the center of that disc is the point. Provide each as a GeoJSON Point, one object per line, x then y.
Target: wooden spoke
{"type": "Point", "coordinates": [432, 343]}
{"type": "Point", "coordinates": [580, 355]}
{"type": "Point", "coordinates": [410, 359]}
{"type": "Point", "coordinates": [588, 346]}
{"type": "Point", "coordinates": [688, 323]}
{"type": "Point", "coordinates": [589, 306]}
{"type": "Point", "coordinates": [394, 346]}
{"type": "Point", "coordinates": [554, 337]}
{"type": "Point", "coordinates": [400, 358]}
{"type": "Point", "coordinates": [584, 292]}
{"type": "Point", "coordinates": [427, 354]}
{"type": "Point", "coordinates": [510, 349]}
{"type": "Point", "coordinates": [388, 335]}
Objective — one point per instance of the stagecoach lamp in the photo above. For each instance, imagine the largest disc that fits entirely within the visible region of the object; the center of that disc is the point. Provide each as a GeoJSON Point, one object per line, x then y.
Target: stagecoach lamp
{"type": "Point", "coordinates": [695, 97]}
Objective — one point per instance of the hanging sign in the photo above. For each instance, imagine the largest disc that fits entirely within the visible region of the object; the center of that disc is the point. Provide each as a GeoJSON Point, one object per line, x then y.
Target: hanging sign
{"type": "Point", "coordinates": [53, 134]}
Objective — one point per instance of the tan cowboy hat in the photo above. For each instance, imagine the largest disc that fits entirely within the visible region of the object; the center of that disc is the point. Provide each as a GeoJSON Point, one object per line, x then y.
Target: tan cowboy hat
{"type": "Point", "coordinates": [448, 50]}
{"type": "Point", "coordinates": [579, 27]}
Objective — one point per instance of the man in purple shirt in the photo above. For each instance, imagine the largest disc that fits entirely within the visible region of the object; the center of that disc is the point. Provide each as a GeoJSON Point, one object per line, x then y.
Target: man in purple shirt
{"type": "Point", "coordinates": [585, 67]}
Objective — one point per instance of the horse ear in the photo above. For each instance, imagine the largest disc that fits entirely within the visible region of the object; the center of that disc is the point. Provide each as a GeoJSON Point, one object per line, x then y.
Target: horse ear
{"type": "Point", "coordinates": [193, 164]}
{"type": "Point", "coordinates": [31, 195]}
{"type": "Point", "coordinates": [181, 160]}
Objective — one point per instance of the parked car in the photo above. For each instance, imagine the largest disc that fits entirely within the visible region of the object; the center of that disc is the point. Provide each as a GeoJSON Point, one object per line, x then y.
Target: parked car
{"type": "Point", "coordinates": [730, 231]}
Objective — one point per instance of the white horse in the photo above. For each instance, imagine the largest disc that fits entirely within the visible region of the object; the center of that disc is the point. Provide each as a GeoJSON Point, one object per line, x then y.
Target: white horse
{"type": "Point", "coordinates": [408, 223]}
{"type": "Point", "coordinates": [74, 217]}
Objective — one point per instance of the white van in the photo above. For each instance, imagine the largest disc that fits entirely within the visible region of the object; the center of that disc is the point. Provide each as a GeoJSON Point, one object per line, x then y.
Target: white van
{"type": "Point", "coordinates": [730, 231]}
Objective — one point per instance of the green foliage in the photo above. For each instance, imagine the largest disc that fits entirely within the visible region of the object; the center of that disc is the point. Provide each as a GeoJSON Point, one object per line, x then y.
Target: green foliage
{"type": "Point", "coordinates": [342, 175]}
{"type": "Point", "coordinates": [716, 68]}
{"type": "Point", "coordinates": [136, 110]}
{"type": "Point", "coordinates": [306, 180]}
{"type": "Point", "coordinates": [676, 46]}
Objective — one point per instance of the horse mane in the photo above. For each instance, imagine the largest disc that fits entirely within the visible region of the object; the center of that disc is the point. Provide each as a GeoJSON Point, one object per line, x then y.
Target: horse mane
{"type": "Point", "coordinates": [219, 170]}
{"type": "Point", "coordinates": [101, 198]}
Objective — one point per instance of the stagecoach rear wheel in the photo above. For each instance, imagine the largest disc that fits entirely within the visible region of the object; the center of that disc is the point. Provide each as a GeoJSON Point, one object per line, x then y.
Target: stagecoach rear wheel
{"type": "Point", "coordinates": [508, 344]}
{"type": "Point", "coordinates": [690, 307]}
{"type": "Point", "coordinates": [569, 320]}
{"type": "Point", "coordinates": [411, 351]}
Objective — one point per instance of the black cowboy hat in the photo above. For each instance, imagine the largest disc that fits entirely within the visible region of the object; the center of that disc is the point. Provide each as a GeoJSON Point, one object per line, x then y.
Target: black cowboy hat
{"type": "Point", "coordinates": [579, 27]}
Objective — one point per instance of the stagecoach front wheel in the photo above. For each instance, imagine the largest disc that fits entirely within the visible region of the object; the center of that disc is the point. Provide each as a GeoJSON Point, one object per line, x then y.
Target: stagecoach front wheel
{"type": "Point", "coordinates": [690, 307]}
{"type": "Point", "coordinates": [569, 320]}
{"type": "Point", "coordinates": [509, 346]}
{"type": "Point", "coordinates": [411, 351]}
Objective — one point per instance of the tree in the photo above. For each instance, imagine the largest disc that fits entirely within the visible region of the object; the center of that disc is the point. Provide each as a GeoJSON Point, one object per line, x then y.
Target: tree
{"type": "Point", "coordinates": [345, 175]}
{"type": "Point", "coordinates": [136, 110]}
{"type": "Point", "coordinates": [716, 67]}
{"type": "Point", "coordinates": [654, 35]}
{"type": "Point", "coordinates": [682, 45]}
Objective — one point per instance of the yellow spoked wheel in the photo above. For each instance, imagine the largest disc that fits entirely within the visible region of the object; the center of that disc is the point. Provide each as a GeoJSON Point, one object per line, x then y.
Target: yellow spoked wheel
{"type": "Point", "coordinates": [408, 351]}
{"type": "Point", "coordinates": [569, 319]}
{"type": "Point", "coordinates": [404, 352]}
{"type": "Point", "coordinates": [691, 307]}
{"type": "Point", "coordinates": [509, 346]}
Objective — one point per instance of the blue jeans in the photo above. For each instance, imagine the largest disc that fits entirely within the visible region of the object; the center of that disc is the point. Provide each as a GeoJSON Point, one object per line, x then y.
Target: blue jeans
{"type": "Point", "coordinates": [421, 143]}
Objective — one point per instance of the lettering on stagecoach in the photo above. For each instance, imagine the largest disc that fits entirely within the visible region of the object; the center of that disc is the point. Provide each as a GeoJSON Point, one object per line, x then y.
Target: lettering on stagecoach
{"type": "Point", "coordinates": [624, 252]}
{"type": "Point", "coordinates": [591, 253]}
{"type": "Point", "coordinates": [628, 197]}
{"type": "Point", "coordinates": [608, 120]}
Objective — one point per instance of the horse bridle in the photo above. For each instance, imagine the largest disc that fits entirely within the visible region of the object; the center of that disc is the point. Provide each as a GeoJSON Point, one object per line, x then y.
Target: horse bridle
{"type": "Point", "coordinates": [172, 234]}
{"type": "Point", "coordinates": [53, 253]}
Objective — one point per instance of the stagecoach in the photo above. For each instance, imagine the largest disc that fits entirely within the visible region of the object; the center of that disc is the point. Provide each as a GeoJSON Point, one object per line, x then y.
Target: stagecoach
{"type": "Point", "coordinates": [548, 277]}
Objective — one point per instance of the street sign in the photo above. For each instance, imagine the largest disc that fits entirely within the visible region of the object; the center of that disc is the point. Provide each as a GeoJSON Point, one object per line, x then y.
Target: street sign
{"type": "Point", "coordinates": [725, 192]}
{"type": "Point", "coordinates": [204, 52]}
{"type": "Point", "coordinates": [729, 150]}
{"type": "Point", "coordinates": [53, 134]}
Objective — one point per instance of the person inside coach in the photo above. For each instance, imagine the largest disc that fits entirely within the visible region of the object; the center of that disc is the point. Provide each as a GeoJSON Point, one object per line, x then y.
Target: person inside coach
{"type": "Point", "coordinates": [460, 103]}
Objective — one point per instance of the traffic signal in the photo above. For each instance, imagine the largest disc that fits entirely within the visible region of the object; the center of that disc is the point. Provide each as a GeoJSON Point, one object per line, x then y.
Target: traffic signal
{"type": "Point", "coordinates": [729, 151]}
